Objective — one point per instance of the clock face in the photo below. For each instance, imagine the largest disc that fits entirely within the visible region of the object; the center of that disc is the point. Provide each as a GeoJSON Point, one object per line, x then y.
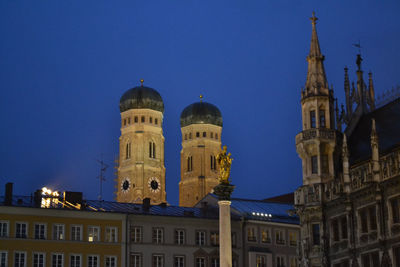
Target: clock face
{"type": "Point", "coordinates": [154, 184]}
{"type": "Point", "coordinates": [125, 185]}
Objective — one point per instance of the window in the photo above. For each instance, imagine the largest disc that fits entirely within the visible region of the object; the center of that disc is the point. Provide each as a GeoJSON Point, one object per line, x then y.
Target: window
{"type": "Point", "coordinates": [20, 230]}
{"type": "Point", "coordinates": [128, 151]}
{"type": "Point", "coordinates": [155, 121]}
{"type": "Point", "coordinates": [312, 119]}
{"type": "Point", "coordinates": [58, 232]}
{"type": "Point", "coordinates": [93, 261]}
{"type": "Point", "coordinates": [3, 228]}
{"type": "Point", "coordinates": [143, 119]}
{"type": "Point", "coordinates": [216, 136]}
{"type": "Point", "coordinates": [204, 134]}
{"type": "Point", "coordinates": [57, 260]}
{"type": "Point", "coordinates": [396, 256]}
{"type": "Point", "coordinates": [19, 259]}
{"type": "Point", "coordinates": [185, 136]}
{"type": "Point", "coordinates": [251, 234]}
{"type": "Point", "coordinates": [151, 120]}
{"type": "Point", "coordinates": [368, 219]}
{"type": "Point", "coordinates": [293, 239]}
{"type": "Point", "coordinates": [190, 164]}
{"type": "Point", "coordinates": [233, 239]}
{"type": "Point", "coordinates": [136, 234]}
{"type": "Point", "coordinates": [152, 150]}
{"type": "Point", "coordinates": [293, 262]}
{"type": "Point", "coordinates": [136, 119]}
{"type": "Point", "coordinates": [363, 220]}
{"type": "Point", "coordinates": [40, 231]}
{"type": "Point", "coordinates": [200, 262]}
{"type": "Point", "coordinates": [158, 235]}
{"type": "Point", "coordinates": [124, 122]}
{"type": "Point", "coordinates": [3, 259]}
{"type": "Point", "coordinates": [190, 135]}
{"type": "Point", "coordinates": [75, 261]}
{"type": "Point", "coordinates": [343, 222]}
{"type": "Point", "coordinates": [111, 261]}
{"type": "Point", "coordinates": [279, 237]}
{"type": "Point", "coordinates": [324, 164]}
{"type": "Point", "coordinates": [180, 236]}
{"type": "Point", "coordinates": [76, 232]}
{"type": "Point", "coordinates": [211, 135]}
{"type": "Point", "coordinates": [136, 260]}
{"type": "Point", "coordinates": [261, 261]}
{"type": "Point", "coordinates": [158, 260]}
{"type": "Point", "coordinates": [129, 120]}
{"type": "Point", "coordinates": [315, 233]}
{"type": "Point", "coordinates": [395, 210]}
{"type": "Point", "coordinates": [265, 235]}
{"type": "Point", "coordinates": [314, 164]}
{"type": "Point", "coordinates": [111, 234]}
{"type": "Point", "coordinates": [280, 261]}
{"type": "Point", "coordinates": [214, 238]}
{"type": "Point", "coordinates": [335, 230]}
{"type": "Point", "coordinates": [179, 261]}
{"type": "Point", "coordinates": [213, 162]}
{"type": "Point", "coordinates": [197, 134]}
{"type": "Point", "coordinates": [322, 123]}
{"type": "Point", "coordinates": [372, 218]}
{"type": "Point", "coordinates": [200, 238]}
{"type": "Point", "coordinates": [370, 259]}
{"type": "Point", "coordinates": [215, 262]}
{"type": "Point", "coordinates": [93, 233]}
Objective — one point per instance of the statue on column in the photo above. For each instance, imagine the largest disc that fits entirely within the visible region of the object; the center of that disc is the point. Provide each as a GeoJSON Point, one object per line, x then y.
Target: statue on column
{"type": "Point", "coordinates": [225, 161]}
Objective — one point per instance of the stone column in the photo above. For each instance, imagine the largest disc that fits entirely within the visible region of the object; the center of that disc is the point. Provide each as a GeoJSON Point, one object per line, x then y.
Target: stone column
{"type": "Point", "coordinates": [224, 191]}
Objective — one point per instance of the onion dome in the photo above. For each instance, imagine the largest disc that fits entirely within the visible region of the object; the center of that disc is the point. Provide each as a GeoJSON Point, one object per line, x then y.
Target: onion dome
{"type": "Point", "coordinates": [141, 97]}
{"type": "Point", "coordinates": [201, 113]}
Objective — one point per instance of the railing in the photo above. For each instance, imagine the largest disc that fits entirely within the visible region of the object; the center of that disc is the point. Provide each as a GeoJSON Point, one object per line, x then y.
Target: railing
{"type": "Point", "coordinates": [322, 133]}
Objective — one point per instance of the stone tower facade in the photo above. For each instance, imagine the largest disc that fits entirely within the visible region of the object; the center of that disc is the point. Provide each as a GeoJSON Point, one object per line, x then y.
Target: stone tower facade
{"type": "Point", "coordinates": [201, 126]}
{"type": "Point", "coordinates": [141, 170]}
{"type": "Point", "coordinates": [316, 146]}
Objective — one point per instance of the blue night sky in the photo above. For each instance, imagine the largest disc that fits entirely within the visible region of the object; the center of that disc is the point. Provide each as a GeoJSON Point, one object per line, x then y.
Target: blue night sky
{"type": "Point", "coordinates": [65, 64]}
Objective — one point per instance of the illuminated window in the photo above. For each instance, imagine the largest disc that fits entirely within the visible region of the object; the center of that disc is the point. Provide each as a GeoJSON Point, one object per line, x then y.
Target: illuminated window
{"type": "Point", "coordinates": [136, 234]}
{"type": "Point", "coordinates": [261, 261]}
{"type": "Point", "coordinates": [75, 260]}
{"type": "Point", "coordinates": [312, 119]}
{"type": "Point", "coordinates": [292, 239]}
{"type": "Point", "coordinates": [111, 261]}
{"type": "Point", "coordinates": [39, 259]}
{"type": "Point", "coordinates": [93, 233]}
{"type": "Point", "coordinates": [57, 260]}
{"type": "Point", "coordinates": [158, 235]}
{"type": "Point", "coordinates": [251, 234]}
{"type": "Point", "coordinates": [58, 232]}
{"type": "Point", "coordinates": [19, 259]}
{"type": "Point", "coordinates": [40, 231]}
{"type": "Point", "coordinates": [20, 230]}
{"type": "Point", "coordinates": [279, 237]}
{"type": "Point", "coordinates": [111, 234]}
{"type": "Point", "coordinates": [265, 235]}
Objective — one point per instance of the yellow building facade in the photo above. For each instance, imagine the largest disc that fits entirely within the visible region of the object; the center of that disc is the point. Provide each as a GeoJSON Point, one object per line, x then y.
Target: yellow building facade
{"type": "Point", "coordinates": [58, 237]}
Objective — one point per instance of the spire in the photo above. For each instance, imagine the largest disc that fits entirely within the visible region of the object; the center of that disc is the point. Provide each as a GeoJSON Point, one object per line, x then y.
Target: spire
{"type": "Point", "coordinates": [349, 108]}
{"type": "Point", "coordinates": [316, 78]}
{"type": "Point", "coordinates": [371, 92]}
{"type": "Point", "coordinates": [346, 165]}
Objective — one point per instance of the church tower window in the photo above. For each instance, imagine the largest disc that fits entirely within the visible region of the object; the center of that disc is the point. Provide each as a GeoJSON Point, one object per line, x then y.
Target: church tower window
{"type": "Point", "coordinates": [314, 164]}
{"type": "Point", "coordinates": [315, 234]}
{"type": "Point", "coordinates": [322, 122]}
{"type": "Point", "coordinates": [312, 119]}
{"type": "Point", "coordinates": [324, 164]}
{"type": "Point", "coordinates": [129, 120]}
{"type": "Point", "coordinates": [124, 122]}
{"type": "Point", "coordinates": [213, 162]}
{"type": "Point", "coordinates": [211, 135]}
{"type": "Point", "coordinates": [151, 119]}
{"type": "Point", "coordinates": [216, 136]}
{"type": "Point", "coordinates": [204, 134]}
{"type": "Point", "coordinates": [136, 119]}
{"type": "Point", "coordinates": [155, 121]}
{"type": "Point", "coordinates": [152, 150]}
{"type": "Point", "coordinates": [143, 119]}
{"type": "Point", "coordinates": [128, 151]}
{"type": "Point", "coordinates": [197, 134]}
{"type": "Point", "coordinates": [190, 135]}
{"type": "Point", "coordinates": [189, 163]}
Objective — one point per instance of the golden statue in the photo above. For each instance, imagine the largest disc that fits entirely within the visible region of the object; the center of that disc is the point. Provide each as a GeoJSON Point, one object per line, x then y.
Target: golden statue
{"type": "Point", "coordinates": [225, 162]}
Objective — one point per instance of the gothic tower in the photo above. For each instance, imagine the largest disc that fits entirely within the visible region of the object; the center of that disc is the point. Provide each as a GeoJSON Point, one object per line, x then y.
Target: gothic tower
{"type": "Point", "coordinates": [141, 170]}
{"type": "Point", "coordinates": [316, 146]}
{"type": "Point", "coordinates": [201, 126]}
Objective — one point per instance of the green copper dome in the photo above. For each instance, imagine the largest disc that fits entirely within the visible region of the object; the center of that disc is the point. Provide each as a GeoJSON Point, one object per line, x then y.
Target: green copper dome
{"type": "Point", "coordinates": [141, 97]}
{"type": "Point", "coordinates": [201, 113]}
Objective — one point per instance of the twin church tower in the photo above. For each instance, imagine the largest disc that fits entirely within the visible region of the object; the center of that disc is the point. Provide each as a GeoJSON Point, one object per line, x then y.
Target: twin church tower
{"type": "Point", "coordinates": [141, 170]}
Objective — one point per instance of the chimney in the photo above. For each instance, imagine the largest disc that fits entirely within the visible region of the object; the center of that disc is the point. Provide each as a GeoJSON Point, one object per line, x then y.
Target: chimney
{"type": "Point", "coordinates": [37, 198]}
{"type": "Point", "coordinates": [146, 204]}
{"type": "Point", "coordinates": [9, 194]}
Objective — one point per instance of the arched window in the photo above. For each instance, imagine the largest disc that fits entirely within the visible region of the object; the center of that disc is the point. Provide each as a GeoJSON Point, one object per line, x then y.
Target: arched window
{"type": "Point", "coordinates": [185, 136]}
{"type": "Point", "coordinates": [155, 121]}
{"type": "Point", "coordinates": [143, 119]}
{"type": "Point", "coordinates": [128, 151]}
{"type": "Point", "coordinates": [213, 163]}
{"type": "Point", "coordinates": [189, 163]}
{"type": "Point", "coordinates": [152, 150]}
{"type": "Point", "coordinates": [136, 119]}
{"type": "Point", "coordinates": [151, 119]}
{"type": "Point", "coordinates": [216, 136]}
{"type": "Point", "coordinates": [312, 119]}
{"type": "Point", "coordinates": [190, 135]}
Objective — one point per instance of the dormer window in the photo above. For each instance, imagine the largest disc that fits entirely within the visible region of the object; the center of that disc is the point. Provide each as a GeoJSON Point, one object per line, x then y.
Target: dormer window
{"type": "Point", "coordinates": [312, 119]}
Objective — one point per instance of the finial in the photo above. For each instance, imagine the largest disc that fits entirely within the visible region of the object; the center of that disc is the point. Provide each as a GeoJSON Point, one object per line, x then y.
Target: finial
{"type": "Point", "coordinates": [201, 98]}
{"type": "Point", "coordinates": [358, 61]}
{"type": "Point", "coordinates": [313, 18]}
{"type": "Point", "coordinates": [141, 82]}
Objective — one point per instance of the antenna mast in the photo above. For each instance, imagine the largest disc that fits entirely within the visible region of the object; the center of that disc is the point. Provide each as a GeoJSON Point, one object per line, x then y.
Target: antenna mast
{"type": "Point", "coordinates": [103, 168]}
